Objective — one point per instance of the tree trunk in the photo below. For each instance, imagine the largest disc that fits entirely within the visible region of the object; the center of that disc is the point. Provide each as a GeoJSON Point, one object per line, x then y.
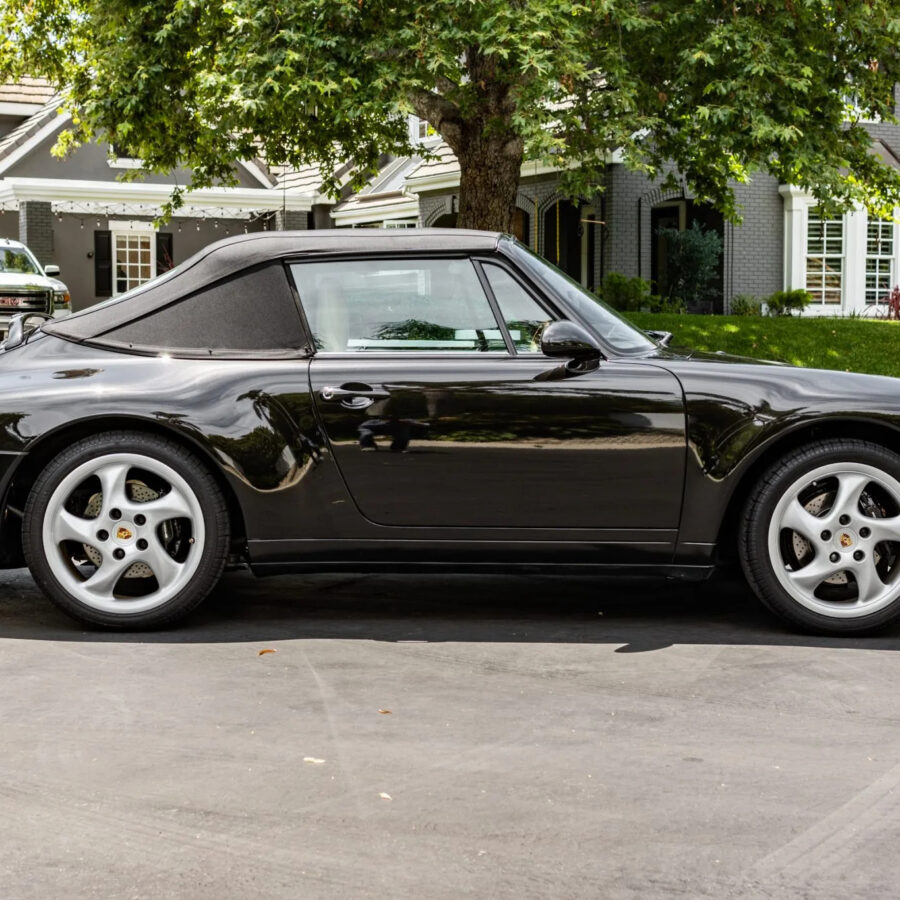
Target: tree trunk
{"type": "Point", "coordinates": [490, 168]}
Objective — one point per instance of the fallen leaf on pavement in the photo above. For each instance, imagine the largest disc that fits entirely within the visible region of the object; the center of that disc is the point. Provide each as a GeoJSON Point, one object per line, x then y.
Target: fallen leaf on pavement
{"type": "Point", "coordinates": [385, 712]}
{"type": "Point", "coordinates": [267, 650]}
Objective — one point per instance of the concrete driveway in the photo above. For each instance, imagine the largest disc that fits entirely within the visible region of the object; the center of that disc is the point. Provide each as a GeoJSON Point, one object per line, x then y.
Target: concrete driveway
{"type": "Point", "coordinates": [447, 737]}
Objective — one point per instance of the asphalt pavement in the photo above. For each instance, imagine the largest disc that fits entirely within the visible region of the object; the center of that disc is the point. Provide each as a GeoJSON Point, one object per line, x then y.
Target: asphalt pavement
{"type": "Point", "coordinates": [445, 737]}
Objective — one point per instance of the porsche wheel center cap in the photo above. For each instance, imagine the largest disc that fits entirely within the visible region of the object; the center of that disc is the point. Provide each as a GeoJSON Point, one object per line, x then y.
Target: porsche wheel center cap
{"type": "Point", "coordinates": [125, 533]}
{"type": "Point", "coordinates": [846, 539]}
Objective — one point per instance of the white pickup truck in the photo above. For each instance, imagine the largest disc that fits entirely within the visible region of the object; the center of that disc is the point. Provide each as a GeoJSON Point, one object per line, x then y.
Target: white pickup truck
{"type": "Point", "coordinates": [26, 286]}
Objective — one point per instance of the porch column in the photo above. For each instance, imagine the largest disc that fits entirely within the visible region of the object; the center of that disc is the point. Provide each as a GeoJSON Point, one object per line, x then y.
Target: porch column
{"type": "Point", "coordinates": [36, 229]}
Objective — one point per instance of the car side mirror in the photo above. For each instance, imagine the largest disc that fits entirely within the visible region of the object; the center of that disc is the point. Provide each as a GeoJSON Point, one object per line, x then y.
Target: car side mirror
{"type": "Point", "coordinates": [52, 270]}
{"type": "Point", "coordinates": [569, 341]}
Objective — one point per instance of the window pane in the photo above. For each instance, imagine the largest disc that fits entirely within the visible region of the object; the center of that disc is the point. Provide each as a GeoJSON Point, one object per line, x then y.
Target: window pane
{"type": "Point", "coordinates": [524, 317]}
{"type": "Point", "coordinates": [397, 305]}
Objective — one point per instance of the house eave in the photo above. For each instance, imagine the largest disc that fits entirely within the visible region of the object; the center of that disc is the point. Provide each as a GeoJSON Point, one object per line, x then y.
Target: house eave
{"type": "Point", "coordinates": [55, 190]}
{"type": "Point", "coordinates": [377, 212]}
{"type": "Point", "coordinates": [22, 110]}
{"type": "Point", "coordinates": [442, 181]}
{"type": "Point", "coordinates": [46, 130]}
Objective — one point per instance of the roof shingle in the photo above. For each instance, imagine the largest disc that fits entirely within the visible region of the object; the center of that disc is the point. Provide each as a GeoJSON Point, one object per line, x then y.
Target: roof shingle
{"type": "Point", "coordinates": [27, 90]}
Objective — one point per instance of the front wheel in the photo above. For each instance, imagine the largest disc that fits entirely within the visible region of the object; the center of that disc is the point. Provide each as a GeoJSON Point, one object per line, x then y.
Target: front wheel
{"type": "Point", "coordinates": [820, 542]}
{"type": "Point", "coordinates": [126, 530]}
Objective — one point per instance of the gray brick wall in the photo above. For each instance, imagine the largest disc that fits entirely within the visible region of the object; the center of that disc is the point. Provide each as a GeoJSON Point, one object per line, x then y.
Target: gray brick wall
{"type": "Point", "coordinates": [754, 250]}
{"type": "Point", "coordinates": [432, 207]}
{"type": "Point", "coordinates": [627, 248]}
{"type": "Point", "coordinates": [290, 220]}
{"type": "Point", "coordinates": [36, 229]}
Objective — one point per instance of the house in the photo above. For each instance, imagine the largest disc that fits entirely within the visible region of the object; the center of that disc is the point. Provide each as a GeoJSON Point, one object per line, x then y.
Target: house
{"type": "Point", "coordinates": [848, 263]}
{"type": "Point", "coordinates": [75, 212]}
{"type": "Point", "coordinates": [100, 231]}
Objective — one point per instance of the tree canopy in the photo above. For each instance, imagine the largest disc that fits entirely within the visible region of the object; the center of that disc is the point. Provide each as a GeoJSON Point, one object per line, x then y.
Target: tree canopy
{"type": "Point", "coordinates": [719, 89]}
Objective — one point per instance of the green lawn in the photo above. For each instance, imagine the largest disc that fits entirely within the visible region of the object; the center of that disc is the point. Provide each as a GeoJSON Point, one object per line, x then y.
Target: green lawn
{"type": "Point", "coordinates": [857, 345]}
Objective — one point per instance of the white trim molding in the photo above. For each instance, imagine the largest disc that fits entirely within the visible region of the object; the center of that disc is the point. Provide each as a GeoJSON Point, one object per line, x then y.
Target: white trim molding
{"type": "Point", "coordinates": [23, 110]}
{"type": "Point", "coordinates": [531, 168]}
{"type": "Point", "coordinates": [125, 162]}
{"type": "Point", "coordinates": [797, 204]}
{"type": "Point", "coordinates": [56, 190]}
{"type": "Point", "coordinates": [376, 212]}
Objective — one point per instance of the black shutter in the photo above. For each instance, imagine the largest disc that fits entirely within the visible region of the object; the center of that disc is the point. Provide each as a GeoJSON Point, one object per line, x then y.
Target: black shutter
{"type": "Point", "coordinates": [164, 258]}
{"type": "Point", "coordinates": [102, 264]}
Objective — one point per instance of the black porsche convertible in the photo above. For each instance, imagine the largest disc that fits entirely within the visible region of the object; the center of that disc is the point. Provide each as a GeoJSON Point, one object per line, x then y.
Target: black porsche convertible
{"type": "Point", "coordinates": [424, 401]}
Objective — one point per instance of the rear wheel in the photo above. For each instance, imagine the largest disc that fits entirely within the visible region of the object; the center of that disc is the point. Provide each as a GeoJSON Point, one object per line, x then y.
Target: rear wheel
{"type": "Point", "coordinates": [126, 530]}
{"type": "Point", "coordinates": [821, 537]}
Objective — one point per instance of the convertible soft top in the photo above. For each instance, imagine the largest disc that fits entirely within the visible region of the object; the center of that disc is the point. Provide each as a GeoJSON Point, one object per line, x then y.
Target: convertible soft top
{"type": "Point", "coordinates": [247, 275]}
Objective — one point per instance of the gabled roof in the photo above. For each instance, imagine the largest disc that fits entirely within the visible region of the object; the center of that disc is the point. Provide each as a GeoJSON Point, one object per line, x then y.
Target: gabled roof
{"type": "Point", "coordinates": [27, 91]}
{"type": "Point", "coordinates": [444, 163]}
{"type": "Point", "coordinates": [29, 129]}
{"type": "Point", "coordinates": [384, 197]}
{"type": "Point", "coordinates": [442, 171]}
{"type": "Point", "coordinates": [885, 153]}
{"type": "Point", "coordinates": [308, 179]}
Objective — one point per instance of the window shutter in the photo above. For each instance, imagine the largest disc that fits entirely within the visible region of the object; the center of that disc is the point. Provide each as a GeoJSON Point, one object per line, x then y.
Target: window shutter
{"type": "Point", "coordinates": [164, 258]}
{"type": "Point", "coordinates": [102, 264]}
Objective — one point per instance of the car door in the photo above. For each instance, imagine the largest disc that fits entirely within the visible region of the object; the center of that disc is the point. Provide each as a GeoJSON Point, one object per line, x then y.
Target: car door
{"type": "Point", "coordinates": [441, 411]}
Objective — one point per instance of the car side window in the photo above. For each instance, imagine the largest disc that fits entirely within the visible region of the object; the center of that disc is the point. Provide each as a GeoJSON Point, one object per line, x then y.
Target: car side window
{"type": "Point", "coordinates": [525, 318]}
{"type": "Point", "coordinates": [417, 305]}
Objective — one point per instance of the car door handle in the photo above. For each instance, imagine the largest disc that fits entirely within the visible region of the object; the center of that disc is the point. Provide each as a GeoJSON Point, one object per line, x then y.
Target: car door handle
{"type": "Point", "coordinates": [356, 396]}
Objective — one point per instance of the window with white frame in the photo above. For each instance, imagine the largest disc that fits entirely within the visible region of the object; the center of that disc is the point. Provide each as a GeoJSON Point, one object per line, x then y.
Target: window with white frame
{"type": "Point", "coordinates": [879, 259]}
{"type": "Point", "coordinates": [824, 258]}
{"type": "Point", "coordinates": [134, 258]}
{"type": "Point", "coordinates": [421, 131]}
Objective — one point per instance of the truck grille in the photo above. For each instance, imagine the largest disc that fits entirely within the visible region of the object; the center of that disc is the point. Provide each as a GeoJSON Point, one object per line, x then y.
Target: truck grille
{"type": "Point", "coordinates": [24, 301]}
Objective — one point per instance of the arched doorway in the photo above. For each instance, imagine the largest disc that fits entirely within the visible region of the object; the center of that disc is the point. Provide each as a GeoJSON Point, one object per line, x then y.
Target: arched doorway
{"type": "Point", "coordinates": [678, 215]}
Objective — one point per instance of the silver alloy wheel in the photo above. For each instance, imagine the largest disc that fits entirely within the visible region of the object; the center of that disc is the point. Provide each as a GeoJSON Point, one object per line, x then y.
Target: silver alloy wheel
{"type": "Point", "coordinates": [127, 536]}
{"type": "Point", "coordinates": [828, 530]}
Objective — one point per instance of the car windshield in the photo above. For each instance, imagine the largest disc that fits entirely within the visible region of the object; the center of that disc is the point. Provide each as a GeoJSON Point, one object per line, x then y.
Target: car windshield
{"type": "Point", "coordinates": [16, 260]}
{"type": "Point", "coordinates": [616, 331]}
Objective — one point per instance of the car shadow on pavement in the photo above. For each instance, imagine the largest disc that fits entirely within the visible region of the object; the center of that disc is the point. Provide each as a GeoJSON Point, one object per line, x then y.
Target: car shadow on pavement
{"type": "Point", "coordinates": [638, 614]}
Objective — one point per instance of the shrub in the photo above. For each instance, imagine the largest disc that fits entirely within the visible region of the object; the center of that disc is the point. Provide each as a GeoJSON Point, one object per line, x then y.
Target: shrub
{"type": "Point", "coordinates": [624, 293]}
{"type": "Point", "coordinates": [692, 263]}
{"type": "Point", "coordinates": [746, 305]}
{"type": "Point", "coordinates": [657, 304]}
{"type": "Point", "coordinates": [783, 303]}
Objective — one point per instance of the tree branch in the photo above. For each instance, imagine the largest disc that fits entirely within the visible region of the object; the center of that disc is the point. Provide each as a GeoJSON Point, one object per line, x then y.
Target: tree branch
{"type": "Point", "coordinates": [441, 113]}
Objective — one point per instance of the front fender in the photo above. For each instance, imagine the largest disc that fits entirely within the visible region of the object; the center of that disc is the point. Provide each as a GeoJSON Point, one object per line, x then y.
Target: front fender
{"type": "Point", "coordinates": [739, 414]}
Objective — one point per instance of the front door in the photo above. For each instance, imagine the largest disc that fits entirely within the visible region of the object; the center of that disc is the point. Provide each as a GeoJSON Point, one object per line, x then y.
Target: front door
{"type": "Point", "coordinates": [440, 416]}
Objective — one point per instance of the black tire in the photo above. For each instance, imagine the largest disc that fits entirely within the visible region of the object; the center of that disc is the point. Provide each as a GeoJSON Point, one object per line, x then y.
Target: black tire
{"type": "Point", "coordinates": [200, 570]}
{"type": "Point", "coordinates": [755, 547]}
